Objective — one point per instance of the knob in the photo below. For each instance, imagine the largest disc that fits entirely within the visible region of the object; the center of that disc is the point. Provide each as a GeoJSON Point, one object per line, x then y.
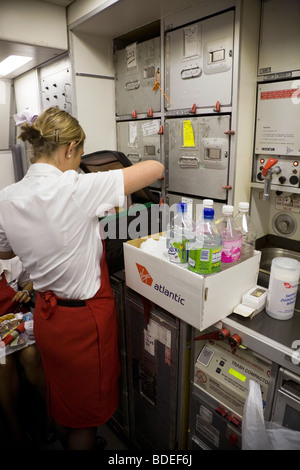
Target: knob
{"type": "Point", "coordinates": [230, 132]}
{"type": "Point", "coordinates": [260, 177]}
{"type": "Point", "coordinates": [224, 333]}
{"type": "Point", "coordinates": [284, 225]}
{"type": "Point", "coordinates": [282, 179]}
{"type": "Point", "coordinates": [217, 107]}
{"type": "Point", "coordinates": [294, 179]}
{"type": "Point", "coordinates": [235, 341]}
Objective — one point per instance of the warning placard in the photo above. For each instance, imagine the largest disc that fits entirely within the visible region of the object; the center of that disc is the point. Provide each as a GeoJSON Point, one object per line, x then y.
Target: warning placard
{"type": "Point", "coordinates": [280, 94]}
{"type": "Point", "coordinates": [278, 118]}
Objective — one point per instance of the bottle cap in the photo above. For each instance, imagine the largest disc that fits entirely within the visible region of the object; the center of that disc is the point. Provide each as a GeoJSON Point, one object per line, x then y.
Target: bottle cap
{"type": "Point", "coordinates": [227, 209]}
{"type": "Point", "coordinates": [208, 203]}
{"type": "Point", "coordinates": [181, 206]}
{"type": "Point", "coordinates": [243, 206]}
{"type": "Point", "coordinates": [290, 264]}
{"type": "Point", "coordinates": [208, 213]}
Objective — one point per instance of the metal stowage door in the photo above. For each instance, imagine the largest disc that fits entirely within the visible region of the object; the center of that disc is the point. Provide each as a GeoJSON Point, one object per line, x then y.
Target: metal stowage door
{"type": "Point", "coordinates": [137, 69]}
{"type": "Point", "coordinates": [286, 409]}
{"type": "Point", "coordinates": [121, 415]}
{"type": "Point", "coordinates": [199, 63]}
{"type": "Point", "coordinates": [152, 354]}
{"type": "Point", "coordinates": [197, 152]}
{"type": "Point", "coordinates": [139, 140]}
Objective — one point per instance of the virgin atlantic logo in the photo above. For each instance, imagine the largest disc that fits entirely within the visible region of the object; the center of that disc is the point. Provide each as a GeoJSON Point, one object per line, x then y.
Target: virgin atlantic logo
{"type": "Point", "coordinates": [144, 275]}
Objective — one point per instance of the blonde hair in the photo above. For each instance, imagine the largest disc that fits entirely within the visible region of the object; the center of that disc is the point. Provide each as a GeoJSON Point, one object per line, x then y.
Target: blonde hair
{"type": "Point", "coordinates": [52, 128]}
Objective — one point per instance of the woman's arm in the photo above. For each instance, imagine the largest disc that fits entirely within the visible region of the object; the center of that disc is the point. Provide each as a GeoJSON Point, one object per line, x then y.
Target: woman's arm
{"type": "Point", "coordinates": [141, 174]}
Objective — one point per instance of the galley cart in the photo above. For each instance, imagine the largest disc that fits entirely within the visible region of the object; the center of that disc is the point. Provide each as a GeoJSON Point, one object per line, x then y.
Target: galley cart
{"type": "Point", "coordinates": [158, 351]}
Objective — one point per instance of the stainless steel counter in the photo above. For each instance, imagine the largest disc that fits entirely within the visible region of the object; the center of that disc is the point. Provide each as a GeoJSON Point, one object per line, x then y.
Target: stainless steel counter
{"type": "Point", "coordinates": [277, 340]}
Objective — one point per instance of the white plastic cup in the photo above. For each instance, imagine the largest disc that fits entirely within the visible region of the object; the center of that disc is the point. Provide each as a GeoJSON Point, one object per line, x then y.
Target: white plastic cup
{"type": "Point", "coordinates": [29, 329]}
{"type": "Point", "coordinates": [283, 286]}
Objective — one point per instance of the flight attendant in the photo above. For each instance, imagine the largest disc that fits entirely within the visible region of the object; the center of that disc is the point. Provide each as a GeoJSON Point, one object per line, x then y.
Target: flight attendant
{"type": "Point", "coordinates": [50, 220]}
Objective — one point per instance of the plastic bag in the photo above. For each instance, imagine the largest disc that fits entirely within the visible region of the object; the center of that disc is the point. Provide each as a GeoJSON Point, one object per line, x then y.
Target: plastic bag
{"type": "Point", "coordinates": [260, 435]}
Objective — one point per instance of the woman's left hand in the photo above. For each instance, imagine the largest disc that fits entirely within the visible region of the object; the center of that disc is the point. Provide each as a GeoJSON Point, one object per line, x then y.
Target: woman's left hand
{"type": "Point", "coordinates": [22, 296]}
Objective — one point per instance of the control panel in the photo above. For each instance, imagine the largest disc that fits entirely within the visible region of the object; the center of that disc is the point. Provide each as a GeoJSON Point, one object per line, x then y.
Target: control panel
{"type": "Point", "coordinates": [289, 170]}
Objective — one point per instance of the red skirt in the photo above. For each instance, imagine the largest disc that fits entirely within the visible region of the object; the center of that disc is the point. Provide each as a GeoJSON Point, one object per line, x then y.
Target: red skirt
{"type": "Point", "coordinates": [79, 348]}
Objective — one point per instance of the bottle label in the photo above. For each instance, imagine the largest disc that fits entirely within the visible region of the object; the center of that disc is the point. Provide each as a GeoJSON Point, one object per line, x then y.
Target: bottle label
{"type": "Point", "coordinates": [231, 251]}
{"type": "Point", "coordinates": [281, 297]}
{"type": "Point", "coordinates": [205, 260]}
{"type": "Point", "coordinates": [178, 251]}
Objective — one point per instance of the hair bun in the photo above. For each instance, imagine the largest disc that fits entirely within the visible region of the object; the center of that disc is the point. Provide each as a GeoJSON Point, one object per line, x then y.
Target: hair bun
{"type": "Point", "coordinates": [31, 134]}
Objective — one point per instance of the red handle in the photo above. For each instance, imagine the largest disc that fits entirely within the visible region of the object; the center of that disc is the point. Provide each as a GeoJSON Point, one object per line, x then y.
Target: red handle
{"type": "Point", "coordinates": [214, 335]}
{"type": "Point", "coordinates": [271, 162]}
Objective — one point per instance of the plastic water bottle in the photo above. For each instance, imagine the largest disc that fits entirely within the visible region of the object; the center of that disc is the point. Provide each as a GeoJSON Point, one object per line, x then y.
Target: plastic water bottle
{"type": "Point", "coordinates": [232, 238]}
{"type": "Point", "coordinates": [206, 203]}
{"type": "Point", "coordinates": [180, 233]}
{"type": "Point", "coordinates": [246, 226]}
{"type": "Point", "coordinates": [283, 285]}
{"type": "Point", "coordinates": [205, 251]}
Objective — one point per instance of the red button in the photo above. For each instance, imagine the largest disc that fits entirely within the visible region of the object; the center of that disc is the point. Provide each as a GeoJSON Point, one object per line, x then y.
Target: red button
{"type": "Point", "coordinates": [221, 411]}
{"type": "Point", "coordinates": [234, 420]}
{"type": "Point", "coordinates": [233, 439]}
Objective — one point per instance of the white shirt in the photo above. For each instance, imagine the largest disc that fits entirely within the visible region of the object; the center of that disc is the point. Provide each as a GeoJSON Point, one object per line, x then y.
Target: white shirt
{"type": "Point", "coordinates": [50, 220]}
{"type": "Point", "coordinates": [14, 273]}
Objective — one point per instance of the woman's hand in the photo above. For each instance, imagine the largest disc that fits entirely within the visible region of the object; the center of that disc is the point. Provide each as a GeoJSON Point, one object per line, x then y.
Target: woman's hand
{"type": "Point", "coordinates": [22, 296]}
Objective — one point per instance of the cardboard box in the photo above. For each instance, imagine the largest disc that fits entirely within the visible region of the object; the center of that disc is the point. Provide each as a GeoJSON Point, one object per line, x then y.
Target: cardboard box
{"type": "Point", "coordinates": [200, 301]}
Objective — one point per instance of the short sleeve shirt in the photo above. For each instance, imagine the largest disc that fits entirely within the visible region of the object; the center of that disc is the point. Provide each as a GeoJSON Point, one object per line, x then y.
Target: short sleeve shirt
{"type": "Point", "coordinates": [14, 273]}
{"type": "Point", "coordinates": [50, 219]}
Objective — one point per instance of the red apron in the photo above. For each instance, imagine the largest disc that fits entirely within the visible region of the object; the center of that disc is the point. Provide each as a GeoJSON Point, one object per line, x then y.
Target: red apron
{"type": "Point", "coordinates": [79, 348]}
{"type": "Point", "coordinates": [6, 295]}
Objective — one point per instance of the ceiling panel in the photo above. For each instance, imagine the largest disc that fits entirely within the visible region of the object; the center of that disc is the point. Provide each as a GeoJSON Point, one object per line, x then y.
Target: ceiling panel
{"type": "Point", "coordinates": [126, 15]}
{"type": "Point", "coordinates": [39, 55]}
{"type": "Point", "coordinates": [62, 3]}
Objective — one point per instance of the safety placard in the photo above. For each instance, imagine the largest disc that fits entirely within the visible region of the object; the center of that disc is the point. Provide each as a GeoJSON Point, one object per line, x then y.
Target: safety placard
{"type": "Point", "coordinates": [278, 118]}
